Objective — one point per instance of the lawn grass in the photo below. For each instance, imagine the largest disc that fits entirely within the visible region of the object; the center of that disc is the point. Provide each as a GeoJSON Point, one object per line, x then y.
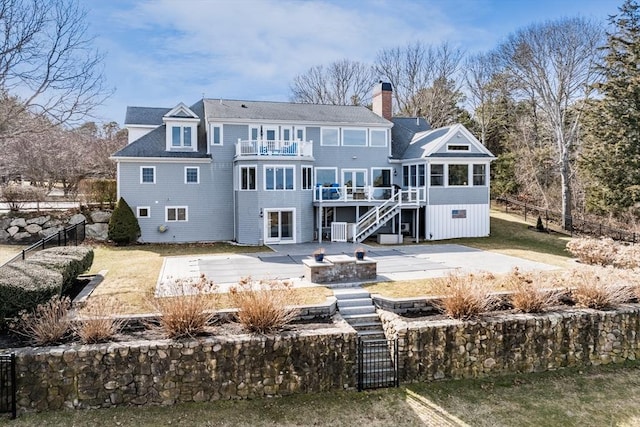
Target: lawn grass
{"type": "Point", "coordinates": [133, 272]}
{"type": "Point", "coordinates": [595, 396]}
{"type": "Point", "coordinates": [8, 251]}
{"type": "Point", "coordinates": [510, 235]}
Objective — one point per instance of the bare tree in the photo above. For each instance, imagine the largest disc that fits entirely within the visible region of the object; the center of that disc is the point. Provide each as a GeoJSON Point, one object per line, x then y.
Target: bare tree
{"type": "Point", "coordinates": [553, 63]}
{"type": "Point", "coordinates": [343, 82]}
{"type": "Point", "coordinates": [479, 74]}
{"type": "Point", "coordinates": [48, 66]}
{"type": "Point", "coordinates": [414, 68]}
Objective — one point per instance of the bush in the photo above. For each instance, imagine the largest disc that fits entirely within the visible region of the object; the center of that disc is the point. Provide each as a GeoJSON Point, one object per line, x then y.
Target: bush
{"type": "Point", "coordinates": [47, 324]}
{"type": "Point", "coordinates": [187, 308]}
{"type": "Point", "coordinates": [627, 257]}
{"type": "Point", "coordinates": [97, 321]}
{"type": "Point", "coordinates": [264, 306]}
{"type": "Point", "coordinates": [101, 191]}
{"type": "Point", "coordinates": [600, 289]}
{"type": "Point", "coordinates": [123, 225]}
{"type": "Point", "coordinates": [593, 251]}
{"type": "Point", "coordinates": [17, 195]}
{"type": "Point", "coordinates": [70, 261]}
{"type": "Point", "coordinates": [23, 286]}
{"type": "Point", "coordinates": [528, 293]}
{"type": "Point", "coordinates": [467, 296]}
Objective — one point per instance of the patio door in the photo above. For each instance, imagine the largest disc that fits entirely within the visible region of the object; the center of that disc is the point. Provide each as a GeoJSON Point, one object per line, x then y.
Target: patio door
{"type": "Point", "coordinates": [279, 226]}
{"type": "Point", "coordinates": [354, 180]}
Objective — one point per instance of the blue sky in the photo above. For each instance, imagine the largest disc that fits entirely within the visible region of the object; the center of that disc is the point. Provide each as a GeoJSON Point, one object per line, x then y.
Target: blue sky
{"type": "Point", "coordinates": [162, 52]}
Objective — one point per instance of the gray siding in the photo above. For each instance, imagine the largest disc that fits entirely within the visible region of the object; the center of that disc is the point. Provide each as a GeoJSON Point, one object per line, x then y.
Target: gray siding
{"type": "Point", "coordinates": [459, 139]}
{"type": "Point", "coordinates": [206, 221]}
{"type": "Point", "coordinates": [452, 196]}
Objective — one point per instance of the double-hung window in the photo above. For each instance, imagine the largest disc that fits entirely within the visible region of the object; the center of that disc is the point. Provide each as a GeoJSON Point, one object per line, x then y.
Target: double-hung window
{"type": "Point", "coordinates": [437, 176]}
{"type": "Point", "coordinates": [177, 214]}
{"type": "Point", "coordinates": [247, 177]}
{"type": "Point", "coordinates": [216, 135]}
{"type": "Point", "coordinates": [192, 175]}
{"type": "Point", "coordinates": [307, 183]}
{"type": "Point", "coordinates": [479, 175]}
{"type": "Point", "coordinates": [147, 174]}
{"type": "Point", "coordinates": [181, 136]}
{"type": "Point", "coordinates": [279, 178]}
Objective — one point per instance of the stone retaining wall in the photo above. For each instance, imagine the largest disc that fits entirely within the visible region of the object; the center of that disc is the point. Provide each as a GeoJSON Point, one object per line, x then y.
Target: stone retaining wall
{"type": "Point", "coordinates": [167, 372]}
{"type": "Point", "coordinates": [29, 229]}
{"type": "Point", "coordinates": [513, 343]}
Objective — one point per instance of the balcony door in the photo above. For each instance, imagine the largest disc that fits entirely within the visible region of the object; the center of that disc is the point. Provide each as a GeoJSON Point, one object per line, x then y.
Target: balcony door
{"type": "Point", "coordinates": [354, 180]}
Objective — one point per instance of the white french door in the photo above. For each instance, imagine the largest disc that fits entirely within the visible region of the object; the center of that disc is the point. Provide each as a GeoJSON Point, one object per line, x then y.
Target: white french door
{"type": "Point", "coordinates": [279, 226]}
{"type": "Point", "coordinates": [354, 180]}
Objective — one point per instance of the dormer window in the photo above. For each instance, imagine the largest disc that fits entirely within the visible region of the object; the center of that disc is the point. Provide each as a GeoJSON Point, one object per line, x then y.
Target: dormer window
{"type": "Point", "coordinates": [181, 136]}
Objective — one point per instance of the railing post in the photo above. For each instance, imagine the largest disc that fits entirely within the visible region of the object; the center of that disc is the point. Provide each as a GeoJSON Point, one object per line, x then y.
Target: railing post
{"type": "Point", "coordinates": [14, 412]}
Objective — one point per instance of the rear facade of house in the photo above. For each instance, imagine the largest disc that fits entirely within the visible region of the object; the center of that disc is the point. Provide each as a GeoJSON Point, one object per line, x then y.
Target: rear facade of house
{"type": "Point", "coordinates": [277, 172]}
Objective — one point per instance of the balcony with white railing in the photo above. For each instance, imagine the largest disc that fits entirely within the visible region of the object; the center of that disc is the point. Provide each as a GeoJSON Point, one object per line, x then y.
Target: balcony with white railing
{"type": "Point", "coordinates": [274, 148]}
{"type": "Point", "coordinates": [347, 194]}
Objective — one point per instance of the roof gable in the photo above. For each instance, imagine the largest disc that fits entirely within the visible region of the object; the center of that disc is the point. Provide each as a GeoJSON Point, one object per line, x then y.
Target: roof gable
{"type": "Point", "coordinates": [180, 111]}
{"type": "Point", "coordinates": [433, 143]}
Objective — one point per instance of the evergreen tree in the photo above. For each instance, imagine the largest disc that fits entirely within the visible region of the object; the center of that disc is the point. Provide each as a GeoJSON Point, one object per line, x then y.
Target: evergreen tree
{"type": "Point", "coordinates": [611, 157]}
{"type": "Point", "coordinates": [123, 225]}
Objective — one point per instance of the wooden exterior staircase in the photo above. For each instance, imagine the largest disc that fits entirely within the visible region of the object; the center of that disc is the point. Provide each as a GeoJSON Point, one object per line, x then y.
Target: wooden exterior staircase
{"type": "Point", "coordinates": [380, 215]}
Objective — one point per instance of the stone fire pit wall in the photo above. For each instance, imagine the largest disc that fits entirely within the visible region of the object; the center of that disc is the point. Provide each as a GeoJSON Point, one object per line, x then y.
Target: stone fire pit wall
{"type": "Point", "coordinates": [166, 372]}
{"type": "Point", "coordinates": [513, 343]}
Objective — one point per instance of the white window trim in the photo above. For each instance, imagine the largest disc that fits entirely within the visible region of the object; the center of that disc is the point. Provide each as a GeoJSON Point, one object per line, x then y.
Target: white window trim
{"type": "Point", "coordinates": [386, 137]}
{"type": "Point", "coordinates": [322, 129]}
{"type": "Point", "coordinates": [215, 125]}
{"type": "Point", "coordinates": [240, 168]}
{"type": "Point", "coordinates": [366, 136]}
{"type": "Point", "coordinates": [352, 170]}
{"type": "Point", "coordinates": [311, 183]}
{"type": "Point", "coordinates": [138, 208]}
{"type": "Point", "coordinates": [265, 225]}
{"type": "Point", "coordinates": [186, 213]}
{"type": "Point", "coordinates": [292, 136]}
{"type": "Point", "coordinates": [264, 177]}
{"type": "Point", "coordinates": [445, 176]}
{"type": "Point", "coordinates": [382, 168]}
{"type": "Point", "coordinates": [181, 147]}
{"type": "Point", "coordinates": [469, 171]}
{"type": "Point", "coordinates": [304, 133]}
{"type": "Point", "coordinates": [459, 145]}
{"type": "Point", "coordinates": [154, 174]}
{"type": "Point", "coordinates": [335, 173]}
{"type": "Point", "coordinates": [486, 179]}
{"type": "Point", "coordinates": [197, 168]}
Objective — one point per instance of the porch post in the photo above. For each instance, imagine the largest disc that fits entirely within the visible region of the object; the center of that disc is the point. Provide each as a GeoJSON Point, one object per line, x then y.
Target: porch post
{"type": "Point", "coordinates": [319, 210]}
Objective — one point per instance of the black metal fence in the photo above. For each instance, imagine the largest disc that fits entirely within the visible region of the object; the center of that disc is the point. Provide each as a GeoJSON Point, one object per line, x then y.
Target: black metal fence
{"type": "Point", "coordinates": [377, 363]}
{"type": "Point", "coordinates": [69, 236]}
{"type": "Point", "coordinates": [577, 226]}
{"type": "Point", "coordinates": [8, 384]}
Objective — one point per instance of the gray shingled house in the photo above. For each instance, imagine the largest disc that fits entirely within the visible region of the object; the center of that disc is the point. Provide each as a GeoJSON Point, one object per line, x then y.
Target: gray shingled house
{"type": "Point", "coordinates": [277, 172]}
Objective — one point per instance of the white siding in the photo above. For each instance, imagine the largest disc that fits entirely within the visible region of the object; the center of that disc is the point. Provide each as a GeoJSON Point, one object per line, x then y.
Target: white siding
{"type": "Point", "coordinates": [441, 225]}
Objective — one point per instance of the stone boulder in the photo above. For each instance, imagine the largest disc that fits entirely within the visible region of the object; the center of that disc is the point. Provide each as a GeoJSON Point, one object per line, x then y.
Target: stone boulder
{"type": "Point", "coordinates": [97, 231]}
{"type": "Point", "coordinates": [21, 236]}
{"type": "Point", "coordinates": [46, 232]}
{"type": "Point", "coordinates": [4, 236]}
{"type": "Point", "coordinates": [13, 230]}
{"type": "Point", "coordinates": [33, 228]}
{"type": "Point", "coordinates": [39, 220]}
{"type": "Point", "coordinates": [18, 222]}
{"type": "Point", "coordinates": [77, 219]}
{"type": "Point", "coordinates": [52, 223]}
{"type": "Point", "coordinates": [100, 216]}
{"type": "Point", "coordinates": [5, 223]}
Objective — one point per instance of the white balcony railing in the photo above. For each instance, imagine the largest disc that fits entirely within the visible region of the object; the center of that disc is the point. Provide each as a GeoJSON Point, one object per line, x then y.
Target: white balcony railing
{"type": "Point", "coordinates": [274, 148]}
{"type": "Point", "coordinates": [336, 193]}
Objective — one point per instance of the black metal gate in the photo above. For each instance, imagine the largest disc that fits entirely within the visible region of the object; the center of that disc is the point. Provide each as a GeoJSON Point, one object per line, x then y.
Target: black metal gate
{"type": "Point", "coordinates": [8, 384]}
{"type": "Point", "coordinates": [377, 363]}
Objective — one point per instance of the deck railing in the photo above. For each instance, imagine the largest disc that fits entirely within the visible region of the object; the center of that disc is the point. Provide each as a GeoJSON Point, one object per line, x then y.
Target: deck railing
{"type": "Point", "coordinates": [274, 148]}
{"type": "Point", "coordinates": [336, 193]}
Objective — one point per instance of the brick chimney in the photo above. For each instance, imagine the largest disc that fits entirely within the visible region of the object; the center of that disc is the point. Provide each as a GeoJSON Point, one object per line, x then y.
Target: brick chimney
{"type": "Point", "coordinates": [382, 100]}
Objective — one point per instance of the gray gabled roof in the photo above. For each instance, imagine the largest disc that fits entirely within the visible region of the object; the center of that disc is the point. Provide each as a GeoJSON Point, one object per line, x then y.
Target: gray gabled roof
{"type": "Point", "coordinates": [290, 111]}
{"type": "Point", "coordinates": [145, 115]}
{"type": "Point", "coordinates": [153, 144]}
{"type": "Point", "coordinates": [404, 128]}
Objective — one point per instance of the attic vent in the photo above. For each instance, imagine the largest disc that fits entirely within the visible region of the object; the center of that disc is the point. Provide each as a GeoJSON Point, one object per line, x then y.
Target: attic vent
{"type": "Point", "coordinates": [455, 147]}
{"type": "Point", "coordinates": [243, 106]}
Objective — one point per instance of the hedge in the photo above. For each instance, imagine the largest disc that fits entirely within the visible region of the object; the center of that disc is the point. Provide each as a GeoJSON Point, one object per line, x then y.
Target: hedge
{"type": "Point", "coordinates": [70, 261]}
{"type": "Point", "coordinates": [24, 285]}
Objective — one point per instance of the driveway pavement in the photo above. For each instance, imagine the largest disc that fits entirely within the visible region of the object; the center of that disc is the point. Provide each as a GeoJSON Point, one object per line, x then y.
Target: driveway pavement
{"type": "Point", "coordinates": [394, 263]}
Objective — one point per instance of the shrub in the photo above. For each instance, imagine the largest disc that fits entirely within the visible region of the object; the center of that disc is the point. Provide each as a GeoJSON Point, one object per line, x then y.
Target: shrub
{"type": "Point", "coordinates": [97, 321]}
{"type": "Point", "coordinates": [47, 324]}
{"type": "Point", "coordinates": [467, 296]}
{"type": "Point", "coordinates": [593, 251]}
{"type": "Point", "coordinates": [25, 285]}
{"type": "Point", "coordinates": [187, 307]}
{"type": "Point", "coordinates": [123, 225]}
{"type": "Point", "coordinates": [539, 224]}
{"type": "Point", "coordinates": [599, 289]}
{"type": "Point", "coordinates": [528, 293]}
{"type": "Point", "coordinates": [627, 256]}
{"type": "Point", "coordinates": [99, 190]}
{"type": "Point", "coordinates": [70, 261]}
{"type": "Point", "coordinates": [264, 306]}
{"type": "Point", "coordinates": [17, 195]}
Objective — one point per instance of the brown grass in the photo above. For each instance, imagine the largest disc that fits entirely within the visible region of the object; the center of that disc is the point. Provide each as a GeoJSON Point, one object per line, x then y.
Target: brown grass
{"type": "Point", "coordinates": [188, 308]}
{"type": "Point", "coordinates": [97, 320]}
{"type": "Point", "coordinates": [47, 324]}
{"type": "Point", "coordinates": [530, 292]}
{"type": "Point", "coordinates": [466, 296]}
{"type": "Point", "coordinates": [264, 306]}
{"type": "Point", "coordinates": [599, 288]}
